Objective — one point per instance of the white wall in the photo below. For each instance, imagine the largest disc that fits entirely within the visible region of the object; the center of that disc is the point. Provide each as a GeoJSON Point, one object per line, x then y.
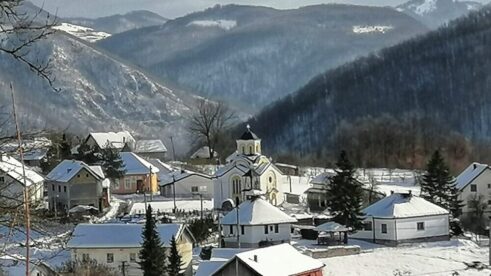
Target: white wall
{"type": "Point", "coordinates": [120, 255]}
{"type": "Point", "coordinates": [13, 188]}
{"type": "Point", "coordinates": [253, 234]}
{"type": "Point", "coordinates": [482, 182]}
{"type": "Point", "coordinates": [434, 226]}
{"type": "Point", "coordinates": [184, 186]}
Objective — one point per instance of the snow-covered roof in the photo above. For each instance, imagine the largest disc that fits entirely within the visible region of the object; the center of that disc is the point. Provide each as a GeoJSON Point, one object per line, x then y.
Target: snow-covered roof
{"type": "Point", "coordinates": [207, 268]}
{"type": "Point", "coordinates": [115, 139]}
{"type": "Point", "coordinates": [469, 174]}
{"type": "Point", "coordinates": [179, 175]}
{"type": "Point", "coordinates": [331, 226]}
{"type": "Point", "coordinates": [245, 163]}
{"type": "Point", "coordinates": [203, 153]}
{"type": "Point", "coordinates": [33, 149]}
{"type": "Point", "coordinates": [164, 168]}
{"type": "Point", "coordinates": [68, 169]}
{"type": "Point", "coordinates": [400, 205]}
{"type": "Point", "coordinates": [225, 254]}
{"type": "Point", "coordinates": [149, 146]}
{"type": "Point", "coordinates": [257, 212]}
{"type": "Point", "coordinates": [118, 235]}
{"type": "Point", "coordinates": [13, 168]}
{"type": "Point", "coordinates": [134, 164]}
{"type": "Point", "coordinates": [249, 135]}
{"type": "Point", "coordinates": [323, 178]}
{"type": "Point", "coordinates": [278, 260]}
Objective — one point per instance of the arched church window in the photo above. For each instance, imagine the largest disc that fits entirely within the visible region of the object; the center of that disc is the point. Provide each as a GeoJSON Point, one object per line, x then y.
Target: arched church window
{"type": "Point", "coordinates": [250, 150]}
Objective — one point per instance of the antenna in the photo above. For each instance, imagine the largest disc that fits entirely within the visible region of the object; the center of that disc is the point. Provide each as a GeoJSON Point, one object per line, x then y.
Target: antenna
{"type": "Point", "coordinates": [248, 127]}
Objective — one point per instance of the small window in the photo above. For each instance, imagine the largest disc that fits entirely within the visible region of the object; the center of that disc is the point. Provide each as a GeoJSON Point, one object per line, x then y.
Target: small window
{"type": "Point", "coordinates": [2, 179]}
{"type": "Point", "coordinates": [489, 202]}
{"type": "Point", "coordinates": [85, 257]}
{"type": "Point", "coordinates": [266, 229]}
{"type": "Point", "coordinates": [242, 230]}
{"type": "Point", "coordinates": [64, 189]}
{"type": "Point", "coordinates": [59, 189]}
{"type": "Point", "coordinates": [194, 189]}
{"type": "Point", "coordinates": [133, 257]}
{"type": "Point", "coordinates": [270, 179]}
{"type": "Point", "coordinates": [276, 228]}
{"type": "Point", "coordinates": [78, 175]}
{"type": "Point", "coordinates": [489, 186]}
{"type": "Point", "coordinates": [367, 226]}
{"type": "Point", "coordinates": [231, 229]}
{"type": "Point", "coordinates": [116, 183]}
{"type": "Point", "coordinates": [53, 187]}
{"type": "Point", "coordinates": [127, 184]}
{"type": "Point", "coordinates": [86, 175]}
{"type": "Point", "coordinates": [473, 188]}
{"type": "Point", "coordinates": [421, 226]}
{"type": "Point", "coordinates": [110, 258]}
{"type": "Point", "coordinates": [384, 228]}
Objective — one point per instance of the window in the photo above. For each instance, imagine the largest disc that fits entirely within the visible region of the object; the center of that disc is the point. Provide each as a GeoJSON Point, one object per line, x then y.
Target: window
{"type": "Point", "coordinates": [384, 228]}
{"type": "Point", "coordinates": [367, 226]}
{"type": "Point", "coordinates": [194, 189]}
{"type": "Point", "coordinates": [110, 258]}
{"type": "Point", "coordinates": [78, 175]}
{"type": "Point", "coordinates": [2, 179]}
{"type": "Point", "coordinates": [276, 228]}
{"type": "Point", "coordinates": [86, 175]}
{"type": "Point", "coordinates": [127, 183]}
{"type": "Point", "coordinates": [85, 257]}
{"type": "Point", "coordinates": [271, 228]}
{"type": "Point", "coordinates": [473, 188]}
{"type": "Point", "coordinates": [250, 150]}
{"type": "Point", "coordinates": [489, 202]}
{"type": "Point", "coordinates": [421, 226]}
{"type": "Point", "coordinates": [59, 189]}
{"type": "Point", "coordinates": [133, 257]}
{"type": "Point", "coordinates": [116, 183]}
{"type": "Point", "coordinates": [489, 186]}
{"type": "Point", "coordinates": [242, 229]}
{"type": "Point", "coordinates": [231, 229]}
{"type": "Point", "coordinates": [270, 179]}
{"type": "Point", "coordinates": [236, 185]}
{"type": "Point", "coordinates": [64, 189]}
{"type": "Point", "coordinates": [243, 150]}
{"type": "Point", "coordinates": [266, 229]}
{"type": "Point", "coordinates": [53, 187]}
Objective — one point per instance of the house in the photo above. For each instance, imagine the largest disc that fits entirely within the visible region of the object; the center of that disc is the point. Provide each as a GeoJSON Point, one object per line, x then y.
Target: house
{"type": "Point", "coordinates": [12, 181]}
{"type": "Point", "coordinates": [140, 175]}
{"type": "Point", "coordinates": [117, 244]}
{"type": "Point", "coordinates": [203, 153]}
{"type": "Point", "coordinates": [288, 169]}
{"type": "Point", "coordinates": [317, 194]}
{"type": "Point", "coordinates": [278, 260]}
{"type": "Point", "coordinates": [247, 169]}
{"type": "Point", "coordinates": [117, 140]}
{"type": "Point", "coordinates": [474, 181]}
{"type": "Point", "coordinates": [35, 150]}
{"type": "Point", "coordinates": [154, 149]}
{"type": "Point", "coordinates": [260, 224]}
{"type": "Point", "coordinates": [187, 184]}
{"type": "Point", "coordinates": [73, 183]}
{"type": "Point", "coordinates": [403, 217]}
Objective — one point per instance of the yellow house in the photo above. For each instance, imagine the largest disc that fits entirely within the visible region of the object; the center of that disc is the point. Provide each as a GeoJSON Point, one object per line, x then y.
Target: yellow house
{"type": "Point", "coordinates": [140, 175]}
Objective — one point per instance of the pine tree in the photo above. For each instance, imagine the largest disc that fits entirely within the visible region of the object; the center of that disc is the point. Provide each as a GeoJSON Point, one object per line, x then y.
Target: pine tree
{"type": "Point", "coordinates": [175, 261]}
{"type": "Point", "coordinates": [439, 187]}
{"type": "Point", "coordinates": [152, 255]}
{"type": "Point", "coordinates": [112, 163]}
{"type": "Point", "coordinates": [345, 194]}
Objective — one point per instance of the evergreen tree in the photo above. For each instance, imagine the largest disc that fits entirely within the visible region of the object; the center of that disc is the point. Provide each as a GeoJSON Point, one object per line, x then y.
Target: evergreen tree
{"type": "Point", "coordinates": [439, 187]}
{"type": "Point", "coordinates": [152, 255]}
{"type": "Point", "coordinates": [345, 194]}
{"type": "Point", "coordinates": [111, 163]}
{"type": "Point", "coordinates": [175, 261]}
{"type": "Point", "coordinates": [87, 154]}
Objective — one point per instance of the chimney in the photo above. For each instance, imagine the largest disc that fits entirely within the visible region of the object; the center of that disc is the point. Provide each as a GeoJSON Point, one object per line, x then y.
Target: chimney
{"type": "Point", "coordinates": [255, 258]}
{"type": "Point", "coordinates": [410, 193]}
{"type": "Point", "coordinates": [391, 192]}
{"type": "Point", "coordinates": [474, 166]}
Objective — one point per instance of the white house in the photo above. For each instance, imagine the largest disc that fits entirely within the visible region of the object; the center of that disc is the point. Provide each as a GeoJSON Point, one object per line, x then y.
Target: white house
{"type": "Point", "coordinates": [12, 181]}
{"type": "Point", "coordinates": [118, 244]}
{"type": "Point", "coordinates": [247, 169]}
{"type": "Point", "coordinates": [187, 184]}
{"type": "Point", "coordinates": [259, 223]}
{"type": "Point", "coordinates": [147, 148]}
{"type": "Point", "coordinates": [116, 140]}
{"type": "Point", "coordinates": [403, 217]}
{"type": "Point", "coordinates": [277, 260]}
{"type": "Point", "coordinates": [73, 183]}
{"type": "Point", "coordinates": [473, 182]}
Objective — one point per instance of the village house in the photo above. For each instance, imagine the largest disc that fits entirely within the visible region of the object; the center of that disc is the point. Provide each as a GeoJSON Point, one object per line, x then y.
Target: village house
{"type": "Point", "coordinates": [148, 149]}
{"type": "Point", "coordinates": [317, 194]}
{"type": "Point", "coordinates": [402, 218]}
{"type": "Point", "coordinates": [203, 153]}
{"type": "Point", "coordinates": [12, 181]}
{"type": "Point", "coordinates": [277, 260]}
{"type": "Point", "coordinates": [139, 176]}
{"type": "Point", "coordinates": [473, 182]}
{"type": "Point", "coordinates": [246, 170]}
{"type": "Point", "coordinates": [260, 224]}
{"type": "Point", "coordinates": [35, 150]}
{"type": "Point", "coordinates": [118, 245]}
{"type": "Point", "coordinates": [74, 183]}
{"type": "Point", "coordinates": [187, 184]}
{"type": "Point", "coordinates": [116, 140]}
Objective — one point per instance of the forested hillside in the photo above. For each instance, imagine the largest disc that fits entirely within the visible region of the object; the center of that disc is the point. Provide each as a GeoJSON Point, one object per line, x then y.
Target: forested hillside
{"type": "Point", "coordinates": [250, 56]}
{"type": "Point", "coordinates": [397, 104]}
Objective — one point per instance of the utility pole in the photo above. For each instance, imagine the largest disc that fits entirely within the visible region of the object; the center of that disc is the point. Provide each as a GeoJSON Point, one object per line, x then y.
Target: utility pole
{"type": "Point", "coordinates": [150, 184]}
{"type": "Point", "coordinates": [123, 268]}
{"type": "Point", "coordinates": [238, 222]}
{"type": "Point", "coordinates": [26, 189]}
{"type": "Point", "coordinates": [173, 149]}
{"type": "Point", "coordinates": [201, 199]}
{"type": "Point", "coordinates": [174, 192]}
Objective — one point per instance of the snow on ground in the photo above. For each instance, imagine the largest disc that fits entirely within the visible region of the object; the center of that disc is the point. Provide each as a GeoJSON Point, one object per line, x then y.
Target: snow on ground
{"type": "Point", "coordinates": [426, 7]}
{"type": "Point", "coordinates": [396, 180]}
{"type": "Point", "coordinates": [167, 206]}
{"type": "Point", "coordinates": [84, 33]}
{"type": "Point", "coordinates": [371, 29]}
{"type": "Point", "coordinates": [438, 258]}
{"type": "Point", "coordinates": [221, 23]}
{"type": "Point", "coordinates": [299, 184]}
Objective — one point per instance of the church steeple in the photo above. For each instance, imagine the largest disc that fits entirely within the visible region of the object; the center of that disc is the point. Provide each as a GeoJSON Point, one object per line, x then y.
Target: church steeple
{"type": "Point", "coordinates": [249, 143]}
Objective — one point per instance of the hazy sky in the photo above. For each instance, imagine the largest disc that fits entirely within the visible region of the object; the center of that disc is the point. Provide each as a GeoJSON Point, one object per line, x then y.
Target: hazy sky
{"type": "Point", "coordinates": [176, 8]}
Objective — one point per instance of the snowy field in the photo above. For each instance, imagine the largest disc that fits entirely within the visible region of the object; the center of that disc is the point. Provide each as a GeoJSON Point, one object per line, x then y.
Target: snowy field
{"type": "Point", "coordinates": [167, 206]}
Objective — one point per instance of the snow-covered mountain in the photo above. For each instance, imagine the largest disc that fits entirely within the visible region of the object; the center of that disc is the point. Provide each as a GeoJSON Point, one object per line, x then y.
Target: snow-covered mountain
{"type": "Point", "coordinates": [250, 56]}
{"type": "Point", "coordinates": [97, 92]}
{"type": "Point", "coordinates": [84, 33]}
{"type": "Point", "coordinates": [436, 12]}
{"type": "Point", "coordinates": [120, 22]}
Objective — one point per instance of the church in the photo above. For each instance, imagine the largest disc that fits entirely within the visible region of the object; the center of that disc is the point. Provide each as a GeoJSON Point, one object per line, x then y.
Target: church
{"type": "Point", "coordinates": [247, 170]}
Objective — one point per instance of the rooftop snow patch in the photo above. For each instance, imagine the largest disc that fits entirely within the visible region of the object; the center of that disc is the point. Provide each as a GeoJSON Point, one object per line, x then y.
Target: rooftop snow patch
{"type": "Point", "coordinates": [469, 174]}
{"type": "Point", "coordinates": [118, 235]}
{"type": "Point", "coordinates": [150, 146]}
{"type": "Point", "coordinates": [68, 169]}
{"type": "Point", "coordinates": [220, 23]}
{"type": "Point", "coordinates": [134, 164]}
{"type": "Point", "coordinates": [115, 139]}
{"type": "Point", "coordinates": [13, 168]}
{"type": "Point", "coordinates": [400, 205]}
{"type": "Point", "coordinates": [257, 212]}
